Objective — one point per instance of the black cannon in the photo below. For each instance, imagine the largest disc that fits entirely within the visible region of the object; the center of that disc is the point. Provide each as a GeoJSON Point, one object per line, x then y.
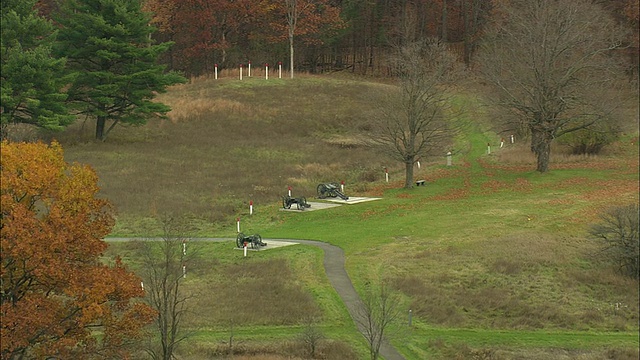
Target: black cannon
{"type": "Point", "coordinates": [301, 202]}
{"type": "Point", "coordinates": [254, 241]}
{"type": "Point", "coordinates": [330, 190]}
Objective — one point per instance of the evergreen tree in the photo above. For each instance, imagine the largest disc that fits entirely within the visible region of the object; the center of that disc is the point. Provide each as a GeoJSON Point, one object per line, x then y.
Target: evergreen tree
{"type": "Point", "coordinates": [108, 44]}
{"type": "Point", "coordinates": [31, 77]}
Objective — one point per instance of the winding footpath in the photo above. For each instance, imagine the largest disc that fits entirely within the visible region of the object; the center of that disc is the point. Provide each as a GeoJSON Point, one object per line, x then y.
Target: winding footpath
{"type": "Point", "coordinates": [338, 278]}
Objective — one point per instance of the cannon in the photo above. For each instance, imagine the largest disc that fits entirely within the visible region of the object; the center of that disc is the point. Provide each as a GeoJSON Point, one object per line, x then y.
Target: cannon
{"type": "Point", "coordinates": [301, 202]}
{"type": "Point", "coordinates": [254, 241]}
{"type": "Point", "coordinates": [330, 190]}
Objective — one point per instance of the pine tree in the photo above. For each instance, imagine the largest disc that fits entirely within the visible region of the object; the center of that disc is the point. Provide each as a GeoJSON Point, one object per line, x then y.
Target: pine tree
{"type": "Point", "coordinates": [31, 77]}
{"type": "Point", "coordinates": [108, 45]}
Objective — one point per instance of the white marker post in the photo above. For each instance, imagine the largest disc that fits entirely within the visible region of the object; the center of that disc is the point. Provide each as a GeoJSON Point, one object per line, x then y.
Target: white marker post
{"type": "Point", "coordinates": [386, 174]}
{"type": "Point", "coordinates": [238, 224]}
{"type": "Point", "coordinates": [250, 207]}
{"type": "Point", "coordinates": [342, 186]}
{"type": "Point", "coordinates": [240, 71]}
{"type": "Point", "coordinates": [184, 247]}
{"type": "Point", "coordinates": [215, 71]}
{"type": "Point", "coordinates": [449, 158]}
{"type": "Point", "coordinates": [266, 71]}
{"type": "Point", "coordinates": [249, 69]}
{"type": "Point", "coordinates": [142, 285]}
{"type": "Point", "coordinates": [244, 248]}
{"type": "Point", "coordinates": [418, 162]}
{"type": "Point", "coordinates": [184, 271]}
{"type": "Point", "coordinates": [512, 139]}
{"type": "Point", "coordinates": [488, 149]}
{"type": "Point", "coordinates": [279, 69]}
{"type": "Point", "coordinates": [501, 143]}
{"type": "Point", "coordinates": [289, 188]}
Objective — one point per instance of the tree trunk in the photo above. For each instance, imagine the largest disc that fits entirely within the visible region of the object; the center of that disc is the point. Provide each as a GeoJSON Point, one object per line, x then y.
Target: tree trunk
{"type": "Point", "coordinates": [467, 33]}
{"type": "Point", "coordinates": [444, 21]}
{"type": "Point", "coordinates": [408, 181]}
{"type": "Point", "coordinates": [541, 147]}
{"type": "Point", "coordinates": [100, 127]}
{"type": "Point", "coordinates": [291, 55]}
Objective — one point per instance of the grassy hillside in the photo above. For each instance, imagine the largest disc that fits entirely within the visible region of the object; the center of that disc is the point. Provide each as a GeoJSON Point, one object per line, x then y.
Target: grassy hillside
{"type": "Point", "coordinates": [492, 258]}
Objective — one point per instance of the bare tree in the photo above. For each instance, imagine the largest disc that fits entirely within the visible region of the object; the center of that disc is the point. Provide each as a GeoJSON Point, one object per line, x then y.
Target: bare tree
{"type": "Point", "coordinates": [413, 123]}
{"type": "Point", "coordinates": [163, 272]}
{"type": "Point", "coordinates": [552, 66]}
{"type": "Point", "coordinates": [618, 232]}
{"type": "Point", "coordinates": [292, 21]}
{"type": "Point", "coordinates": [311, 336]}
{"type": "Point", "coordinates": [379, 309]}
{"type": "Point", "coordinates": [473, 16]}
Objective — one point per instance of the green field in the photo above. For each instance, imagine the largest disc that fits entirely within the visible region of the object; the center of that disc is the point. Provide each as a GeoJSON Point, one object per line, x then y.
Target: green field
{"type": "Point", "coordinates": [493, 259]}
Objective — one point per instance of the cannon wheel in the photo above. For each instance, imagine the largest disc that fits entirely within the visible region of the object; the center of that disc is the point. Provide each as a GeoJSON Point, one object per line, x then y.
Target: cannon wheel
{"type": "Point", "coordinates": [285, 203]}
{"type": "Point", "coordinates": [256, 240]}
{"type": "Point", "coordinates": [259, 239]}
{"type": "Point", "coordinates": [302, 203]}
{"type": "Point", "coordinates": [322, 189]}
{"type": "Point", "coordinates": [240, 240]}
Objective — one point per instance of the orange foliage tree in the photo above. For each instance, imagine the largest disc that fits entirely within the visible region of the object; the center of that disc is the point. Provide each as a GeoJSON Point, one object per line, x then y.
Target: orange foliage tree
{"type": "Point", "coordinates": [58, 298]}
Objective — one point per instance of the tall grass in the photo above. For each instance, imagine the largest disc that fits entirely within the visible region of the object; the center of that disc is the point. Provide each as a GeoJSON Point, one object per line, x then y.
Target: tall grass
{"type": "Point", "coordinates": [488, 245]}
{"type": "Point", "coordinates": [228, 142]}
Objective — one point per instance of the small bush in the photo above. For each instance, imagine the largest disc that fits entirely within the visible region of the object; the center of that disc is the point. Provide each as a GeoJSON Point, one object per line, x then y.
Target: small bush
{"type": "Point", "coordinates": [618, 236]}
{"type": "Point", "coordinates": [589, 141]}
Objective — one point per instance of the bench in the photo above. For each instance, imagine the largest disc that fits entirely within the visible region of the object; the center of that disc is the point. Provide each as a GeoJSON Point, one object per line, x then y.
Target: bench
{"type": "Point", "coordinates": [421, 183]}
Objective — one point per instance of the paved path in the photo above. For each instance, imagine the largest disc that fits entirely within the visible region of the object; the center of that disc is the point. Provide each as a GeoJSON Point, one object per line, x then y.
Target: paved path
{"type": "Point", "coordinates": [338, 277]}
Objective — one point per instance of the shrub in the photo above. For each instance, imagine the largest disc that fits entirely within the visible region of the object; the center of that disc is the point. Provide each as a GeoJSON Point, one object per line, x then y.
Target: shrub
{"type": "Point", "coordinates": [589, 141]}
{"type": "Point", "coordinates": [618, 235]}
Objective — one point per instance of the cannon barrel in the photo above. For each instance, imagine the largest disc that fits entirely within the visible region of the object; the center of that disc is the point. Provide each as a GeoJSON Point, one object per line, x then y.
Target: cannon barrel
{"type": "Point", "coordinates": [330, 190]}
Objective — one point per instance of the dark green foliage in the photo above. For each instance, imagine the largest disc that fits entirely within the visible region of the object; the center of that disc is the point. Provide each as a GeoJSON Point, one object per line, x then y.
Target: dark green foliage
{"type": "Point", "coordinates": [618, 234]}
{"type": "Point", "coordinates": [30, 78]}
{"type": "Point", "coordinates": [590, 141]}
{"type": "Point", "coordinates": [108, 46]}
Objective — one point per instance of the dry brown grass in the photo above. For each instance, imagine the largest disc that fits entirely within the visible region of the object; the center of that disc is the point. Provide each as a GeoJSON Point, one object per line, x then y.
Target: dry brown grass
{"type": "Point", "coordinates": [519, 154]}
{"type": "Point", "coordinates": [290, 350]}
{"type": "Point", "coordinates": [518, 281]}
{"type": "Point", "coordinates": [464, 352]}
{"type": "Point", "coordinates": [252, 293]}
{"type": "Point", "coordinates": [226, 144]}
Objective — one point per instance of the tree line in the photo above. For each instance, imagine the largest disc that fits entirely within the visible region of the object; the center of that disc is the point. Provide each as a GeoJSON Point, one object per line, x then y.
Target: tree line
{"type": "Point", "coordinates": [64, 59]}
{"type": "Point", "coordinates": [328, 34]}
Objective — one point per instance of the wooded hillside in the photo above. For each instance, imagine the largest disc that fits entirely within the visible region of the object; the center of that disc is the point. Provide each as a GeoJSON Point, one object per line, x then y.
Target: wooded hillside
{"type": "Point", "coordinates": [328, 35]}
